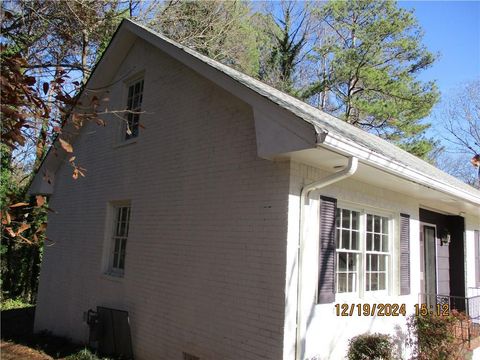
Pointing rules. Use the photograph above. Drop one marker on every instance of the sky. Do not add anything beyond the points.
(452, 29)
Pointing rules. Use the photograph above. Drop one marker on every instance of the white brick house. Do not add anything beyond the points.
(204, 223)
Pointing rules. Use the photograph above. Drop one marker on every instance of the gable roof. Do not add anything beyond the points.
(342, 136)
(324, 122)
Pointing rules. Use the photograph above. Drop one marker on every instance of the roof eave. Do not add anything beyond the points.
(347, 147)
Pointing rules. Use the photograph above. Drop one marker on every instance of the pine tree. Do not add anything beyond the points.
(370, 56)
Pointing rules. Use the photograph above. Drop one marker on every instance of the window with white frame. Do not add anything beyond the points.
(119, 239)
(134, 107)
(363, 251)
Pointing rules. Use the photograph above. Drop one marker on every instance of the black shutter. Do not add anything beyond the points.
(404, 254)
(477, 258)
(327, 250)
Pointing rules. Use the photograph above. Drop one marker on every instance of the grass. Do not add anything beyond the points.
(10, 304)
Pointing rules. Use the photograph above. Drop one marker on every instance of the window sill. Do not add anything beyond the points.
(113, 276)
(125, 143)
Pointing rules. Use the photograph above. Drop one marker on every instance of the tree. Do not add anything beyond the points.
(284, 40)
(460, 116)
(220, 30)
(47, 52)
(369, 57)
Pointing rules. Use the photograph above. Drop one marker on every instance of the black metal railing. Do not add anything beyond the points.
(469, 326)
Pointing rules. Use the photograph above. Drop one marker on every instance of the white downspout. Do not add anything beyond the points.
(348, 171)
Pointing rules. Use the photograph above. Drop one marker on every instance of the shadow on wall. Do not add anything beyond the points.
(17, 326)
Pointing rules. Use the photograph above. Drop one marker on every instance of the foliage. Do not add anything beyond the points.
(437, 337)
(23, 227)
(220, 30)
(84, 354)
(284, 38)
(370, 56)
(10, 304)
(370, 347)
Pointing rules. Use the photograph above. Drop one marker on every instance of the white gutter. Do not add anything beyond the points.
(347, 147)
(348, 171)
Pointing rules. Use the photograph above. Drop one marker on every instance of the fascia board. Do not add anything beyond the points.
(347, 147)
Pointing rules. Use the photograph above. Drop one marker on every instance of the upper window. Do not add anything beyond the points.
(363, 251)
(119, 239)
(134, 106)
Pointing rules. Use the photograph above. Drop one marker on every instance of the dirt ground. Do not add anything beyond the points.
(12, 351)
(19, 342)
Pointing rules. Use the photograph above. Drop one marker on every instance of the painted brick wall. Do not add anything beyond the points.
(205, 265)
(326, 335)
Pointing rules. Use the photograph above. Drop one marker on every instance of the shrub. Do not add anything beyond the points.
(84, 354)
(437, 337)
(370, 347)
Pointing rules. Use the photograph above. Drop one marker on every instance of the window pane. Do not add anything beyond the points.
(382, 283)
(123, 211)
(369, 222)
(352, 282)
(117, 221)
(373, 262)
(384, 225)
(385, 243)
(373, 281)
(355, 241)
(345, 239)
(376, 242)
(369, 242)
(342, 283)
(121, 262)
(352, 262)
(337, 235)
(382, 263)
(338, 218)
(377, 224)
(342, 262)
(117, 244)
(122, 229)
(346, 219)
(355, 220)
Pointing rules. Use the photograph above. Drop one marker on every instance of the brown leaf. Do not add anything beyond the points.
(46, 86)
(22, 228)
(19, 205)
(41, 228)
(72, 159)
(40, 200)
(10, 231)
(66, 146)
(75, 174)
